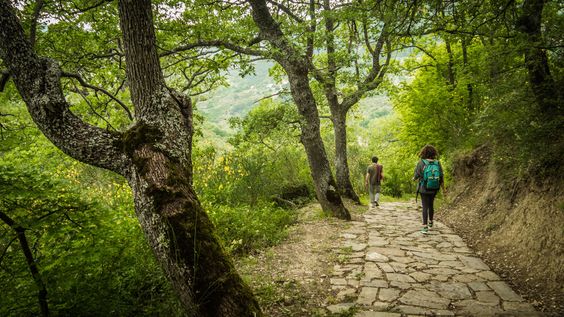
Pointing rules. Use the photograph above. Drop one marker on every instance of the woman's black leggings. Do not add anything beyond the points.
(427, 201)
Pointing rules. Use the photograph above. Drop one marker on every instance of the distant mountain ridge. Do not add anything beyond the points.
(244, 93)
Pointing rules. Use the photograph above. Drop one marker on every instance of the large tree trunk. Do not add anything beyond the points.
(325, 187)
(154, 156)
(295, 66)
(536, 60)
(341, 162)
(175, 224)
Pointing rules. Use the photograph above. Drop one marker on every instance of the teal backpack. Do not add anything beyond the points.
(431, 175)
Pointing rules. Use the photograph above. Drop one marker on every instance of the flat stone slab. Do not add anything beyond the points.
(487, 297)
(454, 291)
(504, 291)
(346, 293)
(388, 294)
(340, 308)
(518, 307)
(474, 263)
(376, 257)
(376, 314)
(423, 298)
(356, 246)
(367, 296)
(478, 286)
(475, 308)
(420, 276)
(399, 278)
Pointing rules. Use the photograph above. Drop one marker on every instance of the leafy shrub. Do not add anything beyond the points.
(246, 228)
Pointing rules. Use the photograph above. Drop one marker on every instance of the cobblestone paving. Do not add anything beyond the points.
(390, 269)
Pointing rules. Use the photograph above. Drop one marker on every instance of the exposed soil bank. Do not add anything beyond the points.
(516, 225)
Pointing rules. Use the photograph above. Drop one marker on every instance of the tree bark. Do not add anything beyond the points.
(536, 60)
(298, 75)
(341, 162)
(174, 222)
(153, 155)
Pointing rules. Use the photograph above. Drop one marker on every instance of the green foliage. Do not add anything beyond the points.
(432, 110)
(265, 160)
(470, 90)
(91, 255)
(85, 238)
(245, 228)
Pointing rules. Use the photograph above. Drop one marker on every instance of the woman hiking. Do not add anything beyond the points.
(429, 173)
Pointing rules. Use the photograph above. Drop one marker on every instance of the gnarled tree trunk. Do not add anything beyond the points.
(153, 155)
(296, 68)
(325, 187)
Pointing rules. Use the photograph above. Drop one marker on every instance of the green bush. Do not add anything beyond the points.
(246, 228)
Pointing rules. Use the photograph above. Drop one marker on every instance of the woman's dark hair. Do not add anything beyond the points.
(374, 159)
(428, 152)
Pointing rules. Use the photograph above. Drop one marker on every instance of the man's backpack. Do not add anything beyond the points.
(431, 175)
(377, 177)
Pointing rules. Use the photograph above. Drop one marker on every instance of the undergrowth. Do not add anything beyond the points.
(245, 228)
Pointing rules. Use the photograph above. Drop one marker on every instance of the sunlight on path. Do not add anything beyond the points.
(390, 268)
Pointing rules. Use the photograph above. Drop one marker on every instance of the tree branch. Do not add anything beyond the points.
(281, 92)
(38, 81)
(270, 30)
(33, 27)
(312, 27)
(102, 90)
(376, 74)
(216, 43)
(286, 10)
(6, 249)
(92, 108)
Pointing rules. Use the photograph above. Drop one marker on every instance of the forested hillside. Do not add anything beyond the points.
(147, 146)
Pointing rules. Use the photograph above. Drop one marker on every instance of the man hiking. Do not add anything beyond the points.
(372, 181)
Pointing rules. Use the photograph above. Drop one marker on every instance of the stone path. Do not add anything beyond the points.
(390, 269)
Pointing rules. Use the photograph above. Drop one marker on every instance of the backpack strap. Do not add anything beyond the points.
(378, 173)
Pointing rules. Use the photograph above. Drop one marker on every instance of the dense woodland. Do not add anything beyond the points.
(131, 172)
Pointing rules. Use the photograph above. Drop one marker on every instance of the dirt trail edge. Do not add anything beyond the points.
(392, 269)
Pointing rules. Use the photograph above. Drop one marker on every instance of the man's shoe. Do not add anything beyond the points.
(425, 230)
(430, 224)
(376, 204)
